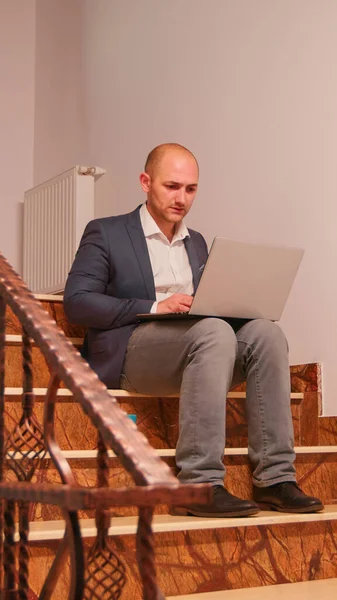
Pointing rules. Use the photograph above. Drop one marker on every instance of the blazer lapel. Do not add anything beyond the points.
(138, 241)
(194, 261)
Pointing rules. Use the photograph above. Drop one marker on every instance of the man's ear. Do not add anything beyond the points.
(145, 182)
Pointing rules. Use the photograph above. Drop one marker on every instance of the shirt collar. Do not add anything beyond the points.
(150, 227)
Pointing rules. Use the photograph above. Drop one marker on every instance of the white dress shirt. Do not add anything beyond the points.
(169, 260)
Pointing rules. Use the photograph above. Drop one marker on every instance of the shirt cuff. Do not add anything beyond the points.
(154, 308)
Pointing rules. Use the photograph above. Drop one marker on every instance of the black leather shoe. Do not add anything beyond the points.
(286, 497)
(223, 504)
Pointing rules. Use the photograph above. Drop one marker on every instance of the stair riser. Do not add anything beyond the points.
(210, 560)
(157, 418)
(55, 310)
(13, 367)
(317, 475)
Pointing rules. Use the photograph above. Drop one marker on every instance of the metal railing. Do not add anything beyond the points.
(100, 573)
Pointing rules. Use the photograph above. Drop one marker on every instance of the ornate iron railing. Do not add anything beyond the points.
(101, 574)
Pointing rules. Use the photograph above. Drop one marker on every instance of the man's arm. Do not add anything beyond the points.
(85, 297)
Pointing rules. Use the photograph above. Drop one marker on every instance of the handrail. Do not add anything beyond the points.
(154, 481)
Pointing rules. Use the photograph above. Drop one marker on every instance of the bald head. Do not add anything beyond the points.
(170, 181)
(157, 154)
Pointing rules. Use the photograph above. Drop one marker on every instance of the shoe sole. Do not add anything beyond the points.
(186, 512)
(310, 509)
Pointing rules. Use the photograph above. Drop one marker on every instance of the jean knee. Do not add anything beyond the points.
(267, 333)
(218, 332)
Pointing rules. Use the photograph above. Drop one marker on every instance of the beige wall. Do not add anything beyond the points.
(251, 87)
(17, 60)
(60, 122)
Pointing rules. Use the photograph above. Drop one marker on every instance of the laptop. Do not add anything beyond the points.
(242, 281)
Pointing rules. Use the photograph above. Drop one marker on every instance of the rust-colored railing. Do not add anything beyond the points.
(100, 574)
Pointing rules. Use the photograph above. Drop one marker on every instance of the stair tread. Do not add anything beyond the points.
(48, 530)
(171, 452)
(17, 391)
(49, 297)
(305, 590)
(15, 338)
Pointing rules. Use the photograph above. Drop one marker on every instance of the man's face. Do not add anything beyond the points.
(171, 189)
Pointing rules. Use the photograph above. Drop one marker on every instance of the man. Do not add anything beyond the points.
(148, 261)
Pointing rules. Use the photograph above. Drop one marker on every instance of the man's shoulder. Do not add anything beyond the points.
(115, 220)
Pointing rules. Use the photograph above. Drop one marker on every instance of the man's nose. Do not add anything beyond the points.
(181, 196)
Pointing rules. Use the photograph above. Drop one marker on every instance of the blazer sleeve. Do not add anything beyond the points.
(86, 301)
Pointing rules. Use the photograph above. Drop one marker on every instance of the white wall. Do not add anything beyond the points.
(60, 118)
(17, 77)
(251, 88)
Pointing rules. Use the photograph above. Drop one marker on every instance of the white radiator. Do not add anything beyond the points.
(55, 215)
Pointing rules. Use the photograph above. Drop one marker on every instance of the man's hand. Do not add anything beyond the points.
(175, 303)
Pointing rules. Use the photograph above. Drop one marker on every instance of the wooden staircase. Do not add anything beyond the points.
(193, 555)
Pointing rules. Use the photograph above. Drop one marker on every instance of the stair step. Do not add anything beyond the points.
(49, 297)
(157, 418)
(306, 590)
(315, 473)
(54, 530)
(118, 393)
(13, 339)
(171, 452)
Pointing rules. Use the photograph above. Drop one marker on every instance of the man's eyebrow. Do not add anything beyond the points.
(179, 183)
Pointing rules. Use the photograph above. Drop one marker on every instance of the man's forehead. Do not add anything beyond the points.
(178, 167)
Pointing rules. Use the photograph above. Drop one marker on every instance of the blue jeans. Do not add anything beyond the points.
(203, 359)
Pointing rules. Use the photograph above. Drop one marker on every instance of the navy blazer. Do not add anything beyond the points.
(111, 281)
